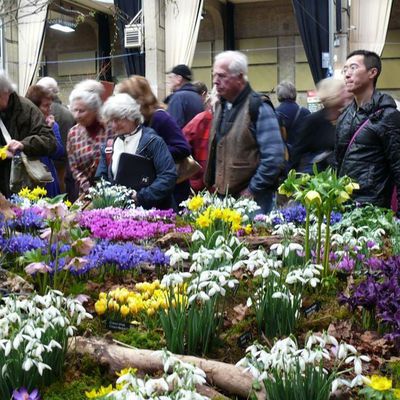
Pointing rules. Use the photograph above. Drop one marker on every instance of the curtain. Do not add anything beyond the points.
(104, 47)
(313, 21)
(31, 32)
(370, 19)
(134, 61)
(182, 23)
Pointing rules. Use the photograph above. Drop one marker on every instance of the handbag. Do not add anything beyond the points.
(186, 168)
(25, 171)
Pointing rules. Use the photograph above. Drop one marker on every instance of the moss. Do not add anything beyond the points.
(82, 374)
(142, 339)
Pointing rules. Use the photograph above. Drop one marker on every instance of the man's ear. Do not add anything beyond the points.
(373, 72)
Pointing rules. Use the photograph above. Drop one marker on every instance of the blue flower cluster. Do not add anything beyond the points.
(125, 256)
(297, 215)
(26, 220)
(19, 244)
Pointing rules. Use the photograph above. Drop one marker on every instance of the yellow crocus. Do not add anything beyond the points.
(102, 295)
(124, 310)
(100, 306)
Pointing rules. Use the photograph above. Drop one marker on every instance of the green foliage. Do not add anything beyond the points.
(143, 340)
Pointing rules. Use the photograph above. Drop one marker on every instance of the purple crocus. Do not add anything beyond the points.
(23, 394)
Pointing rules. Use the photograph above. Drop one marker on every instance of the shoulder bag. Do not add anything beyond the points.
(25, 171)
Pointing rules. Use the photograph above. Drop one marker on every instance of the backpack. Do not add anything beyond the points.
(256, 99)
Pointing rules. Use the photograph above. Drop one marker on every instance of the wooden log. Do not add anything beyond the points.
(226, 377)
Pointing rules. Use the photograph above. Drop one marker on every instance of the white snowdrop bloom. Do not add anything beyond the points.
(342, 351)
(27, 364)
(220, 241)
(41, 367)
(234, 241)
(198, 235)
(175, 278)
(277, 248)
(249, 302)
(7, 348)
(244, 252)
(281, 295)
(357, 381)
(156, 386)
(357, 361)
(338, 382)
(176, 255)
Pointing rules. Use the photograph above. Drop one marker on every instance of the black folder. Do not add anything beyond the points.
(135, 171)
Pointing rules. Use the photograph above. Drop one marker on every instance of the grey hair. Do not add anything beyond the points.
(286, 91)
(121, 106)
(50, 84)
(6, 85)
(238, 63)
(90, 85)
(91, 99)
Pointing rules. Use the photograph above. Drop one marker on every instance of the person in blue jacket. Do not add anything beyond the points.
(123, 114)
(184, 103)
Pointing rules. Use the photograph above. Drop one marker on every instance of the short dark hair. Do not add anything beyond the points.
(371, 60)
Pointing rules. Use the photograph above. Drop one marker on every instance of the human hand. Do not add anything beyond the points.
(246, 194)
(13, 147)
(50, 120)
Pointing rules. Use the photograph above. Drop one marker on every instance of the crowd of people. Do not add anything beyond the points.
(244, 145)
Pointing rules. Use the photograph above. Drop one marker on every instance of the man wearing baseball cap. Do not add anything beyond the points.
(184, 103)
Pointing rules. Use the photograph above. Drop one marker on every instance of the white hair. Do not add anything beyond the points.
(121, 106)
(237, 62)
(91, 99)
(90, 85)
(6, 85)
(50, 84)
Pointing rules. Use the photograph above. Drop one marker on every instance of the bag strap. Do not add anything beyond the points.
(360, 128)
(4, 131)
(296, 116)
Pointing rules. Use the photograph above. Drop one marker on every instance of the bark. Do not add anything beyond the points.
(225, 377)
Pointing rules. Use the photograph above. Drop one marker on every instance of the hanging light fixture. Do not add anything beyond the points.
(62, 25)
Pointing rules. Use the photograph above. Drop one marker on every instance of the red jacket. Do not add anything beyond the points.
(197, 132)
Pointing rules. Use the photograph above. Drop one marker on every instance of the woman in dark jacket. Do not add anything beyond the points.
(161, 121)
(130, 136)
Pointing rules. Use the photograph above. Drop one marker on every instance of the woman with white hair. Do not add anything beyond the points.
(131, 137)
(86, 138)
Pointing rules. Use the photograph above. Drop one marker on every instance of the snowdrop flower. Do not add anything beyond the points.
(338, 382)
(198, 235)
(175, 279)
(156, 386)
(176, 255)
(357, 381)
(357, 360)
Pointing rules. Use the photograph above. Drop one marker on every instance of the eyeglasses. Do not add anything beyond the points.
(351, 68)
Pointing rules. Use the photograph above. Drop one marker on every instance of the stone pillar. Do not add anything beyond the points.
(341, 42)
(154, 36)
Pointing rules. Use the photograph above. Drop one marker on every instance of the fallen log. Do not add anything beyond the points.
(226, 377)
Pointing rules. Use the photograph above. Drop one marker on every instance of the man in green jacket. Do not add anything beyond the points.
(25, 125)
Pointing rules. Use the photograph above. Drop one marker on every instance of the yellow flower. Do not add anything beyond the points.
(39, 192)
(102, 295)
(203, 221)
(100, 306)
(93, 394)
(126, 371)
(24, 192)
(283, 191)
(150, 311)
(248, 229)
(380, 383)
(313, 197)
(396, 393)
(3, 153)
(124, 310)
(343, 197)
(68, 203)
(350, 187)
(195, 203)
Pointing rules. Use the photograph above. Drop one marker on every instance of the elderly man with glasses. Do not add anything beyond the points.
(246, 151)
(368, 133)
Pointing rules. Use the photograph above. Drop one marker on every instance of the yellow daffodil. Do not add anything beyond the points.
(350, 187)
(3, 153)
(100, 306)
(380, 383)
(24, 192)
(39, 192)
(203, 221)
(313, 197)
(195, 203)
